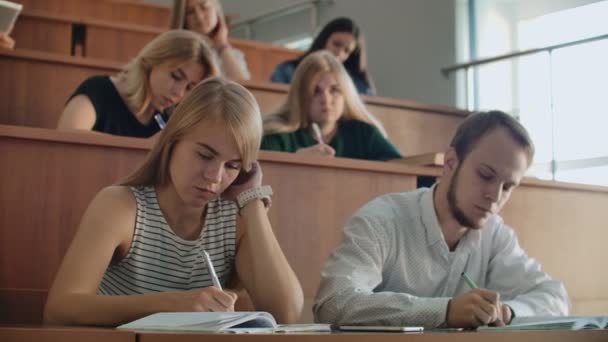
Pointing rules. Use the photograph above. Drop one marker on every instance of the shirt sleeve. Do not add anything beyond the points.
(282, 73)
(347, 292)
(380, 148)
(523, 286)
(239, 57)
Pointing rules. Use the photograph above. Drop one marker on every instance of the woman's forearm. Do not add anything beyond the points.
(106, 310)
(275, 286)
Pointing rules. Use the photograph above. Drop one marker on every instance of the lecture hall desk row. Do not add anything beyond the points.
(119, 11)
(49, 177)
(73, 334)
(121, 41)
(36, 86)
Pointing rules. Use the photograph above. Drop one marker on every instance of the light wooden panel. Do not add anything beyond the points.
(132, 12)
(36, 86)
(116, 43)
(417, 131)
(565, 229)
(48, 34)
(428, 336)
(64, 334)
(121, 41)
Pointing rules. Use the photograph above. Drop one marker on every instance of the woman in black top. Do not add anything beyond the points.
(344, 40)
(133, 103)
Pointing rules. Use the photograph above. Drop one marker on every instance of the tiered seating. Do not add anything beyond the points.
(52, 176)
(91, 37)
(125, 11)
(49, 177)
(50, 79)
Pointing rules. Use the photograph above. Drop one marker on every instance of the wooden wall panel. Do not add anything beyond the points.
(115, 43)
(121, 41)
(562, 228)
(132, 12)
(427, 336)
(36, 86)
(416, 131)
(50, 35)
(64, 334)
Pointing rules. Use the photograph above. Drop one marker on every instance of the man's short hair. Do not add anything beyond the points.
(477, 125)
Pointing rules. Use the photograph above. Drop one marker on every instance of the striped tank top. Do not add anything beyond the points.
(158, 260)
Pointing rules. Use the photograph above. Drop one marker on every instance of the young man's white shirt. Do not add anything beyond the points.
(394, 267)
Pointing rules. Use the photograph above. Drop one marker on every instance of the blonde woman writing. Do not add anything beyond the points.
(322, 94)
(139, 247)
(134, 102)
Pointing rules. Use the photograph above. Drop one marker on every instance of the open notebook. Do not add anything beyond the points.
(238, 322)
(554, 323)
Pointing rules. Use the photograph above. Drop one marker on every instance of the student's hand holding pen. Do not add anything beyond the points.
(475, 308)
(208, 299)
(321, 148)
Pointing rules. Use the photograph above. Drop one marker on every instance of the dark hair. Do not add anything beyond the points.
(356, 63)
(477, 125)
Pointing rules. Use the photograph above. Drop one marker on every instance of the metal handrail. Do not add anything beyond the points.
(446, 71)
(281, 11)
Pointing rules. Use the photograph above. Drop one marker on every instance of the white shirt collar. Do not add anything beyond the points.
(434, 234)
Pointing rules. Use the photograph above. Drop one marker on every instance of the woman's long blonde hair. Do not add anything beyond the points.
(294, 113)
(178, 14)
(172, 48)
(212, 101)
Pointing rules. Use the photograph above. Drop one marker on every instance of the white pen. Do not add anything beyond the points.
(159, 120)
(317, 132)
(211, 270)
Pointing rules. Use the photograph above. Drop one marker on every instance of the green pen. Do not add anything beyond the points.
(469, 281)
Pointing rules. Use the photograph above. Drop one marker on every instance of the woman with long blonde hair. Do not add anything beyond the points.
(140, 245)
(323, 95)
(206, 17)
(136, 101)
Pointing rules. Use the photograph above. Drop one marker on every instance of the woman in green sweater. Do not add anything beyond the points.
(322, 95)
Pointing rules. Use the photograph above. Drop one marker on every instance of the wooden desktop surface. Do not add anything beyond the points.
(77, 334)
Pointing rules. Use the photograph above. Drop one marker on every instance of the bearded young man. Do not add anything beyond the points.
(403, 255)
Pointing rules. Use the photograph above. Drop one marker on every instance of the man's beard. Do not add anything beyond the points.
(456, 212)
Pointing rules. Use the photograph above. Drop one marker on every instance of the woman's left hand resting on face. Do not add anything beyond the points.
(259, 258)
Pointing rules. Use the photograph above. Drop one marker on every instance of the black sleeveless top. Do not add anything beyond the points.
(111, 112)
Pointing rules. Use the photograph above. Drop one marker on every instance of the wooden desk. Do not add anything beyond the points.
(124, 11)
(121, 41)
(537, 336)
(76, 334)
(37, 85)
(52, 176)
(64, 334)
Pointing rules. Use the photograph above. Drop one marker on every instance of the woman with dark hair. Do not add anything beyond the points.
(344, 40)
